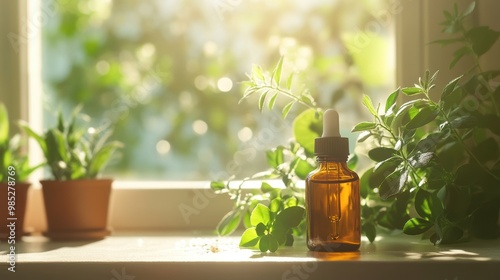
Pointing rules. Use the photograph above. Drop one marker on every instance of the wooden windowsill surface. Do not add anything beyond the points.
(195, 255)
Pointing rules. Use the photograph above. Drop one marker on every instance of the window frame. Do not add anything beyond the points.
(148, 205)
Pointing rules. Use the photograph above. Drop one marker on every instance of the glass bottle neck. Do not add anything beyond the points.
(337, 169)
(330, 159)
(329, 163)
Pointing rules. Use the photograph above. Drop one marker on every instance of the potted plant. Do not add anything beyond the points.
(15, 169)
(76, 201)
(433, 169)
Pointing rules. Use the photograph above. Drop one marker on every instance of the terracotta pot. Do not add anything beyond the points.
(21, 195)
(77, 209)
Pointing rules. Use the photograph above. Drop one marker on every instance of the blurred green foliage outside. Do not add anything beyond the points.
(165, 74)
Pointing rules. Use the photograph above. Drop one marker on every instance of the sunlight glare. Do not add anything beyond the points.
(163, 147)
(224, 84)
(200, 127)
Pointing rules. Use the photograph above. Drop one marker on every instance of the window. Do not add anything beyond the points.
(414, 23)
(165, 74)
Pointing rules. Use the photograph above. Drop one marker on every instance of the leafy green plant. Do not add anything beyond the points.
(277, 223)
(271, 227)
(11, 153)
(437, 162)
(435, 167)
(73, 151)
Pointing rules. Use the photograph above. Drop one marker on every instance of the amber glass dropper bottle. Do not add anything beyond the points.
(332, 194)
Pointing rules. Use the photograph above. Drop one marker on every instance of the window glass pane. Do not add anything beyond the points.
(166, 74)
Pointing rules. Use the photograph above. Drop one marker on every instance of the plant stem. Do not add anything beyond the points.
(457, 136)
(388, 130)
(467, 149)
(486, 85)
(286, 93)
(477, 65)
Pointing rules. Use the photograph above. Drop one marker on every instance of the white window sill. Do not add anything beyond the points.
(194, 255)
(163, 205)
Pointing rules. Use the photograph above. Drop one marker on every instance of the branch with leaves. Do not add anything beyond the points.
(438, 158)
(270, 85)
(435, 164)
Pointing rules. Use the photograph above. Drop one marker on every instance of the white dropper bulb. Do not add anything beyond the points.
(331, 124)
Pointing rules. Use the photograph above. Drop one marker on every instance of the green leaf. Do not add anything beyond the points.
(249, 91)
(370, 231)
(447, 232)
(367, 101)
(386, 167)
(289, 240)
(287, 108)
(276, 205)
(246, 219)
(411, 90)
(60, 122)
(217, 185)
(364, 185)
(272, 101)
(262, 99)
(417, 226)
(229, 223)
(396, 215)
(72, 136)
(428, 205)
(307, 127)
(402, 112)
(28, 170)
(289, 81)
(450, 87)
(469, 9)
(391, 100)
(249, 238)
(260, 214)
(102, 157)
(353, 162)
(266, 188)
(405, 119)
(268, 243)
(362, 126)
(423, 117)
(381, 153)
(420, 160)
(291, 201)
(277, 71)
(393, 184)
(287, 219)
(464, 121)
(275, 157)
(56, 147)
(445, 42)
(257, 72)
(260, 229)
(457, 55)
(363, 136)
(303, 168)
(4, 124)
(430, 81)
(482, 38)
(457, 201)
(39, 139)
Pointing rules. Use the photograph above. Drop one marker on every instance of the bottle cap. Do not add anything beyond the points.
(331, 144)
